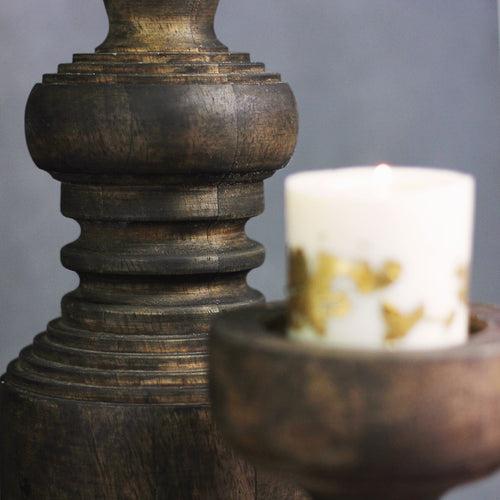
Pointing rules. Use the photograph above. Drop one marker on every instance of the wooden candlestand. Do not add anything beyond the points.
(162, 140)
(358, 425)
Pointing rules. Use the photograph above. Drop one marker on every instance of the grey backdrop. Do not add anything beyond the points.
(400, 81)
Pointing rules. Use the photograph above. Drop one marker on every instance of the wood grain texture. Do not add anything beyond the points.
(358, 425)
(124, 451)
(162, 140)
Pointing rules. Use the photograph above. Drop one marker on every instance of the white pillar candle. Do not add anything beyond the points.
(379, 257)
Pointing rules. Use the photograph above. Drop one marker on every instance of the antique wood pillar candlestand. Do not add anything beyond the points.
(162, 140)
(358, 425)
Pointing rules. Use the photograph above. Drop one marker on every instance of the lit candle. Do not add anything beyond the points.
(379, 257)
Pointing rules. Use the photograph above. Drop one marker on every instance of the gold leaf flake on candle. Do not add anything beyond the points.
(313, 299)
(448, 321)
(463, 274)
(368, 279)
(398, 324)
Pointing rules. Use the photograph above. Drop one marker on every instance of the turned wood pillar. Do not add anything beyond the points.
(161, 139)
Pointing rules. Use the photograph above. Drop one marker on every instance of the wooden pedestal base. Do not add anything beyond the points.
(57, 449)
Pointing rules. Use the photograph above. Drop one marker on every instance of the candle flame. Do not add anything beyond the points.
(383, 170)
(382, 176)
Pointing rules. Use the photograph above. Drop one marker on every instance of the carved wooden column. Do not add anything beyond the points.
(162, 140)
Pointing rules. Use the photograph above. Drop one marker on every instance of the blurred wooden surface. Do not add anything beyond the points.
(358, 425)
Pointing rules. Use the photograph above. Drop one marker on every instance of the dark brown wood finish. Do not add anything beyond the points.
(162, 140)
(358, 424)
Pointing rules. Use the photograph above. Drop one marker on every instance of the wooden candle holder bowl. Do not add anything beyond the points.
(358, 424)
